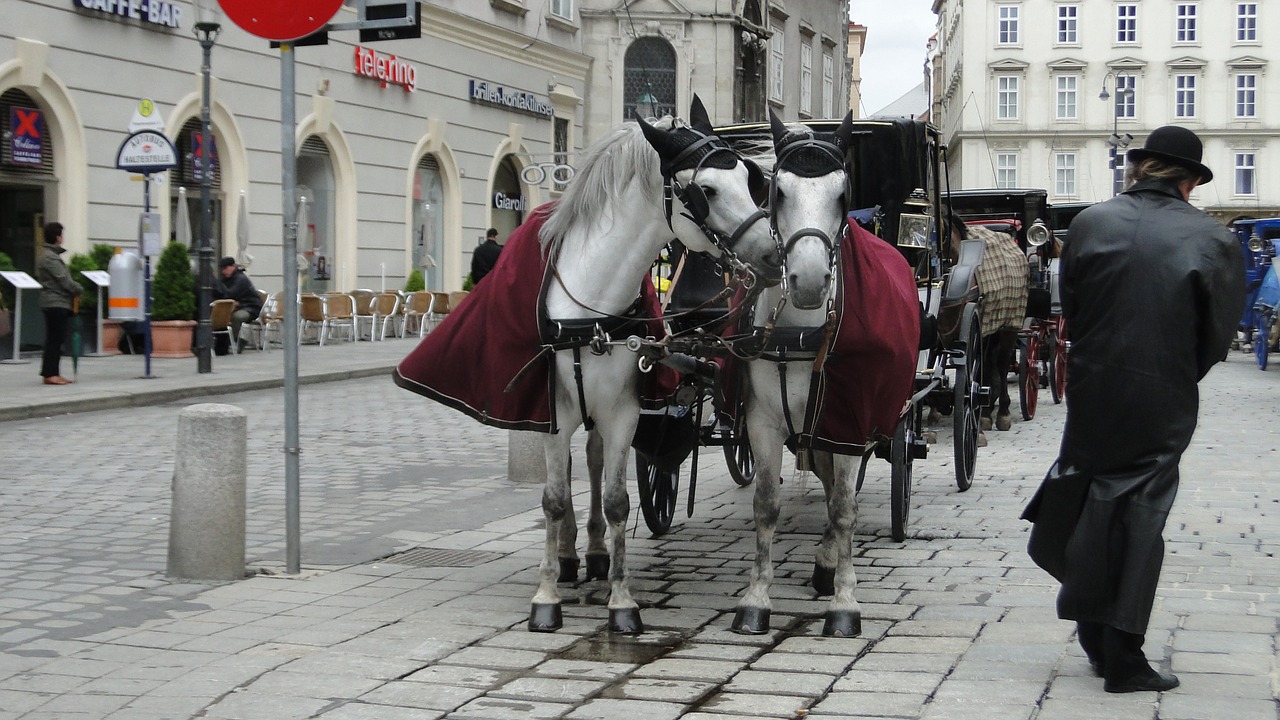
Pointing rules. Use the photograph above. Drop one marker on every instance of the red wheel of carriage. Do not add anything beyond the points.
(1029, 375)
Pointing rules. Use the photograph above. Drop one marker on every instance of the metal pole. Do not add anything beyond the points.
(146, 283)
(208, 33)
(292, 451)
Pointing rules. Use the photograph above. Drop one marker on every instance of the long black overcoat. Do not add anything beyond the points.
(1152, 290)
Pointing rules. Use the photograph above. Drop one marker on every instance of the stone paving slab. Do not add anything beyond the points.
(957, 621)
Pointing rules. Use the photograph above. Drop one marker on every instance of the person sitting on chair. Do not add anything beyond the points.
(235, 285)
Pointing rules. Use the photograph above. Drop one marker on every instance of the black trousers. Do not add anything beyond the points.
(55, 333)
(1117, 652)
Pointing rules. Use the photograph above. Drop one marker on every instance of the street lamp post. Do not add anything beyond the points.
(1117, 141)
(206, 31)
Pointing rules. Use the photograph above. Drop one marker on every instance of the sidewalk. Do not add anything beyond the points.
(116, 381)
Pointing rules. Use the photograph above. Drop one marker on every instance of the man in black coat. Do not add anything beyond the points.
(1152, 290)
(234, 284)
(485, 256)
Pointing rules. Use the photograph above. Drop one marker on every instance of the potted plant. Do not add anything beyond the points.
(173, 304)
(415, 282)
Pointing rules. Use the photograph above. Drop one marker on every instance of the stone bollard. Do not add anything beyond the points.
(526, 459)
(207, 516)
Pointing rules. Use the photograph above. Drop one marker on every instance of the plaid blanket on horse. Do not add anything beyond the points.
(475, 360)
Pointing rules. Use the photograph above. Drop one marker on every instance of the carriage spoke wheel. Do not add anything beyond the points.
(1029, 376)
(900, 478)
(1058, 378)
(964, 412)
(737, 452)
(657, 495)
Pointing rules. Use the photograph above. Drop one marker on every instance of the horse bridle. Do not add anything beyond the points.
(694, 199)
(832, 243)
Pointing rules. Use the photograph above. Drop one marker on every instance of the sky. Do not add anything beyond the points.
(897, 31)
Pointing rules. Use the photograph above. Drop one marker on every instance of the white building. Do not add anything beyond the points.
(1018, 94)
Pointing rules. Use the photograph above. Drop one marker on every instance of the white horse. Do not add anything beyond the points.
(807, 205)
(625, 203)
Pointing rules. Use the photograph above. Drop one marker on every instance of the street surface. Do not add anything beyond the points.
(958, 623)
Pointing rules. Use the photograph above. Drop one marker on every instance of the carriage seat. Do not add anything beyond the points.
(961, 285)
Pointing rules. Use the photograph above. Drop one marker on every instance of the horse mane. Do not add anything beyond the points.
(616, 161)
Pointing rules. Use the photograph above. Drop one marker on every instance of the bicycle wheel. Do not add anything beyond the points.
(900, 479)
(657, 495)
(964, 413)
(1029, 375)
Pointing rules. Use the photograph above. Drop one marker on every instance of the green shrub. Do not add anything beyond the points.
(6, 290)
(467, 284)
(173, 288)
(415, 282)
(102, 254)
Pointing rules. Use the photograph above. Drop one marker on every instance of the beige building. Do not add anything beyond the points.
(857, 44)
(1040, 94)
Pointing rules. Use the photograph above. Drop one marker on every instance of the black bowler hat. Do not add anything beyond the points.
(226, 262)
(1176, 145)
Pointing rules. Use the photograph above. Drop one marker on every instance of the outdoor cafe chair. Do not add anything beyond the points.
(386, 311)
(364, 311)
(339, 313)
(220, 320)
(417, 312)
(311, 316)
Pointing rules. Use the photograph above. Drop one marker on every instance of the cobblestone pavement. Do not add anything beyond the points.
(957, 621)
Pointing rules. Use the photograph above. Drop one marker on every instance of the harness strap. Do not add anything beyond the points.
(587, 423)
(782, 387)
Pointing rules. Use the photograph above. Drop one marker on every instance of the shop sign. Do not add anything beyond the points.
(386, 69)
(146, 152)
(155, 12)
(26, 139)
(503, 201)
(482, 91)
(197, 155)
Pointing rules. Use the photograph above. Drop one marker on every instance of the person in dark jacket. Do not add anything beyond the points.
(234, 284)
(58, 291)
(485, 256)
(1152, 290)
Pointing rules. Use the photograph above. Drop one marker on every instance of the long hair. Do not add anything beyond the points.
(1157, 169)
(619, 159)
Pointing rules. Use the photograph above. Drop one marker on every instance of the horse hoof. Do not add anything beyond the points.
(842, 623)
(824, 580)
(598, 567)
(750, 621)
(1004, 421)
(569, 570)
(985, 422)
(625, 621)
(545, 617)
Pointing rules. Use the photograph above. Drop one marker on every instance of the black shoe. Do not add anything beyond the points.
(1150, 681)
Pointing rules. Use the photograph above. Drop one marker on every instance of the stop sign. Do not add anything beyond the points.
(280, 20)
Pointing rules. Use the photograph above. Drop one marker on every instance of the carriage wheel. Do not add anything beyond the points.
(900, 461)
(1262, 338)
(1059, 374)
(737, 452)
(964, 412)
(1029, 375)
(657, 495)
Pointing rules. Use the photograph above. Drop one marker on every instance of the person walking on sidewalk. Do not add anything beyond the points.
(1152, 289)
(58, 292)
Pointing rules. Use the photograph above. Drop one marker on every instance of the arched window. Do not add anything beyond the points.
(428, 221)
(649, 78)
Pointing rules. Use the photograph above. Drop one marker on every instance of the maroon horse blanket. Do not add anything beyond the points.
(475, 360)
(870, 369)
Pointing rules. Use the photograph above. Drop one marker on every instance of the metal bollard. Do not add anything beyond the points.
(526, 458)
(207, 515)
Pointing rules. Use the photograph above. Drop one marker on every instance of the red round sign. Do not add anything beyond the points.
(280, 20)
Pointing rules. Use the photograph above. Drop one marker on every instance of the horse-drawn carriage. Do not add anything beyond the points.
(893, 170)
(1259, 245)
(1042, 344)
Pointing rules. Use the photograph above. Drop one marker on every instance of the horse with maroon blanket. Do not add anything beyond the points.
(544, 355)
(836, 366)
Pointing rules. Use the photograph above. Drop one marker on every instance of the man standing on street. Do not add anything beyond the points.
(485, 256)
(1152, 291)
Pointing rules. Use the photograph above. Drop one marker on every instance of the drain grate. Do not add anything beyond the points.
(440, 557)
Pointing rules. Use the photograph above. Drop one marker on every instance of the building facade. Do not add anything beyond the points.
(1045, 94)
(740, 57)
(407, 150)
(857, 43)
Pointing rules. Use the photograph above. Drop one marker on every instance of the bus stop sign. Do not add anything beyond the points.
(280, 20)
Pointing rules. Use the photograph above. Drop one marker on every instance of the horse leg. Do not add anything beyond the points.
(597, 551)
(545, 615)
(752, 614)
(567, 549)
(844, 617)
(825, 559)
(1006, 340)
(616, 430)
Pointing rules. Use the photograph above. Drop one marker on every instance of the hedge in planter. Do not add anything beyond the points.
(173, 303)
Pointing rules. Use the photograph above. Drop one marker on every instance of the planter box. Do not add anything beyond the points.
(172, 338)
(111, 333)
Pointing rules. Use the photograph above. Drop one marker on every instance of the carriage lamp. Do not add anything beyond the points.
(206, 29)
(1038, 233)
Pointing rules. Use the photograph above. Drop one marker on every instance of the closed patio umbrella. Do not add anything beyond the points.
(182, 223)
(242, 233)
(77, 337)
